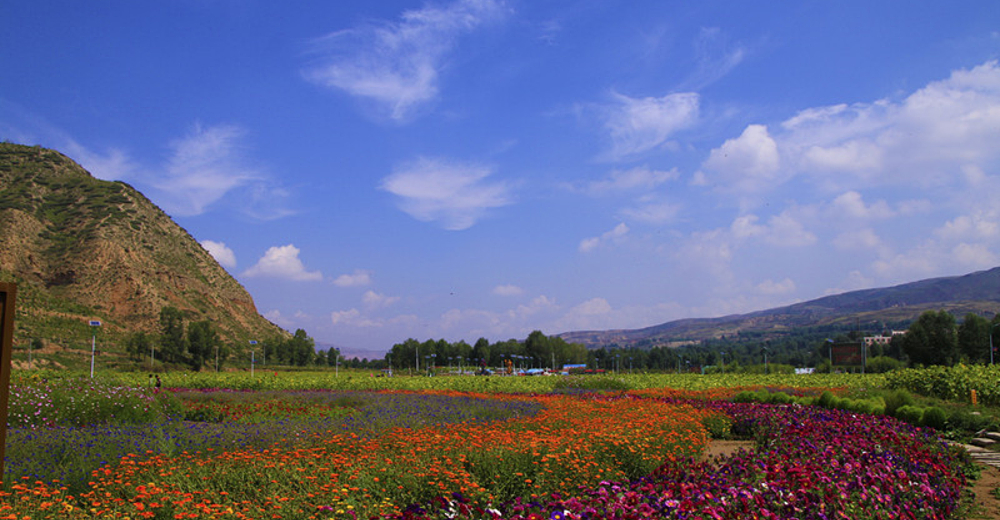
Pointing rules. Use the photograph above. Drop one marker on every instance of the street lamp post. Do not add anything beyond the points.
(93, 345)
(991, 341)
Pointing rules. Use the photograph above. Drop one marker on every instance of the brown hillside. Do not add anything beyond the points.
(81, 248)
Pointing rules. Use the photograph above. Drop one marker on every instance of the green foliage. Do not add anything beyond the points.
(934, 417)
(950, 383)
(966, 422)
(883, 364)
(932, 339)
(202, 342)
(826, 399)
(974, 338)
(173, 344)
(896, 399)
(911, 414)
(719, 426)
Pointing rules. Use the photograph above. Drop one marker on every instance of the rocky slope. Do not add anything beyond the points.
(84, 249)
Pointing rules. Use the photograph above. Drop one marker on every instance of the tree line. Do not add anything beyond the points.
(535, 351)
(936, 338)
(197, 344)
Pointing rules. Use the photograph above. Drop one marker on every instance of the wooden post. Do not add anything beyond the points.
(7, 293)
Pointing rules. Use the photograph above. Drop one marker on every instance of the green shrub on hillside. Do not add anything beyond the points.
(896, 399)
(934, 417)
(911, 414)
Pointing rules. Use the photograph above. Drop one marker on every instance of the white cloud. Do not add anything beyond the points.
(940, 134)
(283, 262)
(508, 290)
(452, 193)
(397, 64)
(979, 225)
(652, 211)
(374, 300)
(592, 307)
(974, 256)
(786, 230)
(783, 229)
(355, 279)
(861, 239)
(770, 287)
(588, 244)
(639, 125)
(204, 166)
(748, 163)
(745, 226)
(851, 204)
(539, 304)
(220, 253)
(345, 317)
(114, 166)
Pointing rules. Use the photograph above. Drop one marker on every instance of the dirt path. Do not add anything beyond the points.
(987, 504)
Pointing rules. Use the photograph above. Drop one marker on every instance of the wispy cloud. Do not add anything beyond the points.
(508, 290)
(397, 64)
(640, 177)
(113, 165)
(283, 262)
(355, 279)
(204, 166)
(715, 57)
(638, 125)
(589, 244)
(374, 300)
(220, 253)
(454, 194)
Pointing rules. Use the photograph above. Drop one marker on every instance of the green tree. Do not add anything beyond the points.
(137, 345)
(172, 340)
(932, 339)
(974, 338)
(301, 348)
(202, 341)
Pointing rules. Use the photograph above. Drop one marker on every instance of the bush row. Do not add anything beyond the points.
(897, 403)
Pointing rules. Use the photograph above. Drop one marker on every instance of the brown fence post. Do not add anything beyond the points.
(7, 293)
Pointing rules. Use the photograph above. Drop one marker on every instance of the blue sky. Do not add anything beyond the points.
(374, 171)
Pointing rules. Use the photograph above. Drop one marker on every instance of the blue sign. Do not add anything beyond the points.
(95, 323)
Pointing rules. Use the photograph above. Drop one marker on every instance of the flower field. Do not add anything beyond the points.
(439, 453)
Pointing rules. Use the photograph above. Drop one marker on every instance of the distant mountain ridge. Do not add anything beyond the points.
(977, 292)
(83, 249)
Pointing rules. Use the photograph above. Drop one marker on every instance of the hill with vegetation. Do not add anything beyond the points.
(869, 309)
(83, 249)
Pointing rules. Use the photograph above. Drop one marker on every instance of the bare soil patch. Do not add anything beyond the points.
(717, 448)
(986, 502)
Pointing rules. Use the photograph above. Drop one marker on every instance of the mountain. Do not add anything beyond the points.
(84, 249)
(977, 292)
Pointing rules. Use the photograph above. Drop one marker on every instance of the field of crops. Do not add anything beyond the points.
(315, 445)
